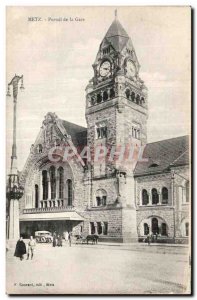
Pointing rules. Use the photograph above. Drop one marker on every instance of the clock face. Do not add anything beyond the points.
(131, 69)
(105, 68)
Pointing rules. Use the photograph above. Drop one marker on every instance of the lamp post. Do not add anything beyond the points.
(14, 190)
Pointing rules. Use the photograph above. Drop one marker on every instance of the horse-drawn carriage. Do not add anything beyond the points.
(81, 239)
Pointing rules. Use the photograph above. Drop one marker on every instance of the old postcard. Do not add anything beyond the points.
(98, 150)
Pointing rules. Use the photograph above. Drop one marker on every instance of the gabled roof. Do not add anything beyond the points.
(77, 133)
(162, 155)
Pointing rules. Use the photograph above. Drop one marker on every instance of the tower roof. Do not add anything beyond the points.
(116, 36)
(116, 29)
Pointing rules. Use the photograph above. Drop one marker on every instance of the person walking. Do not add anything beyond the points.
(31, 247)
(20, 249)
(149, 239)
(59, 241)
(54, 240)
(66, 237)
(70, 238)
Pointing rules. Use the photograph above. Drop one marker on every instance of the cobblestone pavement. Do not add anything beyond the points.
(99, 269)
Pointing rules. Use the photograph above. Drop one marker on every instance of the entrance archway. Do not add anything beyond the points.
(155, 226)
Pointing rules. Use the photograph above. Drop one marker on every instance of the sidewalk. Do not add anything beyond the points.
(141, 247)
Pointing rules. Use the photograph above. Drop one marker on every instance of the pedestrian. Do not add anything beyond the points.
(20, 249)
(31, 247)
(70, 238)
(59, 241)
(149, 239)
(66, 236)
(54, 240)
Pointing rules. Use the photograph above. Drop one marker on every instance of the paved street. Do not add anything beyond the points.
(100, 269)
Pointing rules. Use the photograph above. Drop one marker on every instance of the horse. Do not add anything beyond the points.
(93, 238)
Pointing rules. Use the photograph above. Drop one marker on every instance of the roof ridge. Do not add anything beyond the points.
(177, 137)
(73, 123)
(179, 157)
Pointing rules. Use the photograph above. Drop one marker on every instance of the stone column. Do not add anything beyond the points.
(101, 96)
(150, 196)
(57, 184)
(160, 197)
(14, 220)
(95, 226)
(49, 186)
(40, 189)
(102, 225)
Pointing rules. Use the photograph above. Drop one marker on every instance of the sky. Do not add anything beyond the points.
(56, 60)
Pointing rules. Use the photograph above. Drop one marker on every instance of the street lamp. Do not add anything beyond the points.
(14, 191)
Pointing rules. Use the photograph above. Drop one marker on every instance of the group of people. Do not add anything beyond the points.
(22, 248)
(57, 239)
(151, 238)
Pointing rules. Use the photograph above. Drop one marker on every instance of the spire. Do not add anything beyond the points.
(116, 35)
(116, 14)
(116, 29)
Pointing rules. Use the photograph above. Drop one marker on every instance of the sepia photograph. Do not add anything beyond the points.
(98, 150)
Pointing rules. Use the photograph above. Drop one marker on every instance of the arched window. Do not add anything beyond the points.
(187, 192)
(105, 95)
(45, 185)
(155, 196)
(36, 196)
(133, 96)
(39, 148)
(186, 229)
(138, 99)
(163, 229)
(99, 98)
(142, 100)
(99, 228)
(146, 229)
(92, 101)
(155, 227)
(112, 93)
(105, 228)
(61, 182)
(101, 197)
(164, 195)
(145, 197)
(92, 228)
(70, 192)
(127, 93)
(53, 182)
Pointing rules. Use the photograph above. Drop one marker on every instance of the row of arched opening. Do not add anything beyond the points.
(155, 228)
(54, 186)
(102, 96)
(130, 95)
(154, 195)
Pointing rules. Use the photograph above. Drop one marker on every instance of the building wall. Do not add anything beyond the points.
(182, 204)
(176, 212)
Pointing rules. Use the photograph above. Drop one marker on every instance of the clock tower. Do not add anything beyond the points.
(116, 115)
(116, 97)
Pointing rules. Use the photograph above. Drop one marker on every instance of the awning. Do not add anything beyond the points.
(69, 215)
